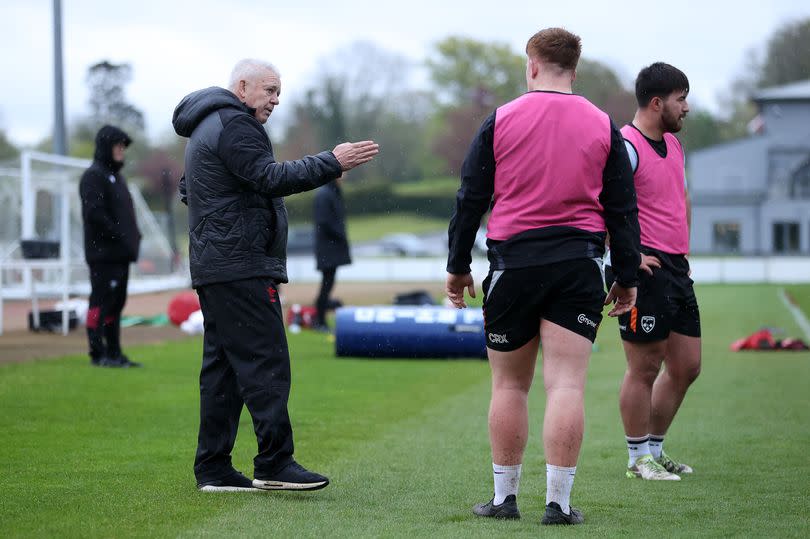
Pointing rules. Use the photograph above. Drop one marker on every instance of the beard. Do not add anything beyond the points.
(672, 123)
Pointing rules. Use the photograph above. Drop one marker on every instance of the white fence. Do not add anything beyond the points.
(704, 270)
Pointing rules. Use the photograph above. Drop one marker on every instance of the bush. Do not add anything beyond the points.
(369, 198)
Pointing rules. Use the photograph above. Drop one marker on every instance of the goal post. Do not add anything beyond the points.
(41, 202)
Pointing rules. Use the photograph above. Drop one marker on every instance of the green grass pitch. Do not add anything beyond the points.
(90, 452)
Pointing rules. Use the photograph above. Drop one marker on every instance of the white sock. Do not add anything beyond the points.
(656, 445)
(559, 481)
(637, 447)
(507, 480)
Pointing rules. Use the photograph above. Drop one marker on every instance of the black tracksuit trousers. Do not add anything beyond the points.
(322, 303)
(108, 294)
(245, 361)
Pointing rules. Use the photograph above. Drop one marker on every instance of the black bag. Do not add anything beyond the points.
(52, 321)
(417, 297)
(37, 249)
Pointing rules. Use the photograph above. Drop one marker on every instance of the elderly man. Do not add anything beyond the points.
(233, 187)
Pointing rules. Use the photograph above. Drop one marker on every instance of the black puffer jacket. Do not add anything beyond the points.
(233, 187)
(110, 230)
(331, 240)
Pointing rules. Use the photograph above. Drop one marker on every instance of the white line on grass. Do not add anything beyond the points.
(797, 313)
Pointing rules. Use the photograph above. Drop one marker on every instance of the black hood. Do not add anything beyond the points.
(196, 106)
(107, 137)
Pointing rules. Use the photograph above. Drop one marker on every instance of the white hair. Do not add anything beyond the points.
(249, 68)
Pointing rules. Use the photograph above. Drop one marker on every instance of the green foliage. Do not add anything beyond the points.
(787, 57)
(701, 129)
(472, 78)
(361, 94)
(377, 198)
(465, 70)
(103, 453)
(435, 187)
(8, 151)
(600, 84)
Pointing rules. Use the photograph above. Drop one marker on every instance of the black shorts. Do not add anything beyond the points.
(666, 302)
(569, 293)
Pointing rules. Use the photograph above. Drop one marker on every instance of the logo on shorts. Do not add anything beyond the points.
(582, 319)
(498, 339)
(272, 293)
(623, 328)
(647, 323)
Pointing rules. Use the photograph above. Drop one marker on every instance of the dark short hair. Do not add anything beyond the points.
(555, 46)
(659, 80)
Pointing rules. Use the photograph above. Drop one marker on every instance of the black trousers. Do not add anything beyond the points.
(322, 303)
(245, 362)
(108, 295)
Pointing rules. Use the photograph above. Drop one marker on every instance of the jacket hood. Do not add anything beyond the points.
(107, 137)
(196, 106)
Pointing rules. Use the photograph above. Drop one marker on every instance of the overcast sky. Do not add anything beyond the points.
(176, 47)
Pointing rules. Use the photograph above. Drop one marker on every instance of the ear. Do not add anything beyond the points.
(656, 103)
(573, 76)
(242, 89)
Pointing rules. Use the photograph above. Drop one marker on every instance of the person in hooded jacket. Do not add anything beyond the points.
(331, 244)
(111, 243)
(233, 187)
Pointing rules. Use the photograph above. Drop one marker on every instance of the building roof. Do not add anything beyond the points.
(795, 91)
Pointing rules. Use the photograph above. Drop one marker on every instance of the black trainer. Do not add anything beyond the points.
(508, 509)
(128, 362)
(554, 515)
(234, 482)
(292, 477)
(105, 361)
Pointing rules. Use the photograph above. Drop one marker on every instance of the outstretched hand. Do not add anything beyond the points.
(624, 299)
(353, 154)
(454, 287)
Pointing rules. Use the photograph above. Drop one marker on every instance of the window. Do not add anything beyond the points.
(726, 237)
(800, 186)
(786, 237)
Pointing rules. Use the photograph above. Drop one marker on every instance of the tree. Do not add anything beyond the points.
(162, 172)
(7, 150)
(458, 125)
(787, 57)
(465, 70)
(108, 104)
(361, 93)
(700, 129)
(471, 78)
(602, 87)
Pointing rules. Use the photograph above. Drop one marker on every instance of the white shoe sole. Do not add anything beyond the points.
(670, 477)
(282, 485)
(211, 488)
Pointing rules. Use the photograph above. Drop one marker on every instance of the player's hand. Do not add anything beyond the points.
(454, 287)
(353, 154)
(648, 263)
(624, 299)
